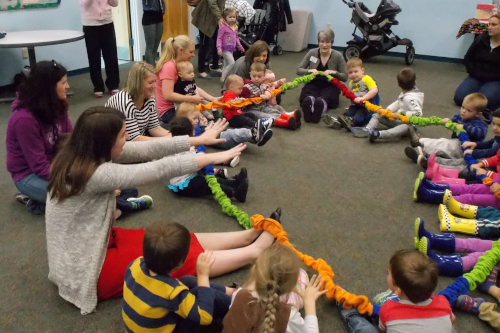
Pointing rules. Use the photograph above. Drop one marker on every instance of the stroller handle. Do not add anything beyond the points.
(351, 3)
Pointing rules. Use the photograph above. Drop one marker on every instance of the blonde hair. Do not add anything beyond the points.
(275, 273)
(258, 67)
(172, 46)
(184, 109)
(232, 79)
(183, 65)
(479, 101)
(135, 81)
(354, 62)
(227, 11)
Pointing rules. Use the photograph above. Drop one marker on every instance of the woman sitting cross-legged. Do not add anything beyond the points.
(87, 255)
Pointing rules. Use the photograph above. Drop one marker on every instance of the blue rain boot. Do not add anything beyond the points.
(433, 186)
(449, 265)
(439, 242)
(423, 194)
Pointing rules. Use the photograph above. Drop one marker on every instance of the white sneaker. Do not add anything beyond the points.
(234, 162)
(360, 132)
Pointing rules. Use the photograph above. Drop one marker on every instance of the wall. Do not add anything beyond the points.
(431, 24)
(65, 17)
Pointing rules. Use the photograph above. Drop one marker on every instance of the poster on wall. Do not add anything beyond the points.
(25, 4)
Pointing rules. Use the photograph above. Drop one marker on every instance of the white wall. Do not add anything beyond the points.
(65, 17)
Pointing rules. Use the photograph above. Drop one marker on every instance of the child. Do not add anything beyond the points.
(365, 89)
(228, 40)
(271, 85)
(154, 300)
(235, 117)
(256, 88)
(195, 184)
(258, 304)
(186, 84)
(413, 277)
(409, 103)
(469, 119)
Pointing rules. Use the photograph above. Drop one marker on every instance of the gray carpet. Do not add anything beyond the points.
(343, 199)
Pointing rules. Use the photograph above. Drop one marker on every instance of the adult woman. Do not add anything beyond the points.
(180, 48)
(39, 119)
(482, 62)
(99, 31)
(319, 95)
(87, 256)
(207, 17)
(137, 103)
(152, 23)
(258, 52)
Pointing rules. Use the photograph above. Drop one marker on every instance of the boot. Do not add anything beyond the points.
(422, 194)
(240, 192)
(445, 180)
(439, 242)
(432, 186)
(431, 161)
(285, 121)
(450, 223)
(276, 215)
(448, 265)
(435, 171)
(460, 209)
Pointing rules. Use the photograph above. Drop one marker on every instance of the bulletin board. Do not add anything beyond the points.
(25, 4)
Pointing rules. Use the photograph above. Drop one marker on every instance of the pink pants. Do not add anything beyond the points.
(475, 247)
(475, 194)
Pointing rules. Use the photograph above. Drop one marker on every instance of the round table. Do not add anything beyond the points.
(30, 39)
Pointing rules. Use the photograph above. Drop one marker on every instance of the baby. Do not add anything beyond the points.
(271, 84)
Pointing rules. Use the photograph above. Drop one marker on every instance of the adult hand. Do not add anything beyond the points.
(211, 134)
(358, 100)
(445, 120)
(494, 188)
(469, 144)
(196, 99)
(219, 52)
(204, 262)
(222, 22)
(330, 72)
(314, 71)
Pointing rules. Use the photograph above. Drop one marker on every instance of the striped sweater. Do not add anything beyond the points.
(137, 121)
(158, 303)
(476, 128)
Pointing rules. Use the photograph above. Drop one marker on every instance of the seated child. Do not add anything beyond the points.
(409, 103)
(256, 88)
(470, 119)
(269, 81)
(413, 277)
(258, 305)
(154, 300)
(127, 201)
(186, 84)
(234, 115)
(195, 185)
(365, 89)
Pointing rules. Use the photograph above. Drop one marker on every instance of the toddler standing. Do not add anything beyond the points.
(228, 40)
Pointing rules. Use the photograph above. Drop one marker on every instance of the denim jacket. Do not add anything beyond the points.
(154, 5)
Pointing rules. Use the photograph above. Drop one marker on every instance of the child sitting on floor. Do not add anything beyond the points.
(365, 89)
(177, 304)
(409, 103)
(473, 118)
(260, 304)
(269, 81)
(195, 185)
(256, 88)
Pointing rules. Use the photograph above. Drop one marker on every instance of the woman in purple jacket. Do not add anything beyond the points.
(38, 120)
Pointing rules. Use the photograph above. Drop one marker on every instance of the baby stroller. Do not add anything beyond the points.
(376, 29)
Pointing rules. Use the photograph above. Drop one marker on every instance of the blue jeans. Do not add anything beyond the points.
(356, 322)
(35, 188)
(489, 89)
(234, 136)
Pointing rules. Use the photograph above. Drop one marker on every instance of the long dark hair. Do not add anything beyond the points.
(89, 146)
(38, 94)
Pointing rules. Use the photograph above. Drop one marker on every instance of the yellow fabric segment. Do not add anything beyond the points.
(370, 83)
(384, 112)
(238, 104)
(138, 329)
(142, 308)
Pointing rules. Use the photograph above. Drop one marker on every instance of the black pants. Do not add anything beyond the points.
(166, 117)
(324, 89)
(246, 120)
(99, 39)
(208, 45)
(221, 306)
(360, 114)
(121, 200)
(198, 187)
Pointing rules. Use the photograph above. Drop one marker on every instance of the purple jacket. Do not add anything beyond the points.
(227, 39)
(31, 145)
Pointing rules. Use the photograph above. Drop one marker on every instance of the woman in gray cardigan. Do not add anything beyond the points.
(319, 95)
(88, 257)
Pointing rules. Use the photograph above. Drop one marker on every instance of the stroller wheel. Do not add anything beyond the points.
(277, 50)
(352, 51)
(410, 55)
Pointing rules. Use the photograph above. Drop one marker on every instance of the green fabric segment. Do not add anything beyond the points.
(484, 266)
(421, 122)
(303, 79)
(225, 203)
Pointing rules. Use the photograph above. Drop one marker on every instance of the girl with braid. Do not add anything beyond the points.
(266, 303)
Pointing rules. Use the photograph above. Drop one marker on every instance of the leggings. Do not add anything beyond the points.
(198, 187)
(475, 194)
(475, 247)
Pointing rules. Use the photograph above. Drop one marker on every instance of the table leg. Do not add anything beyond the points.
(32, 57)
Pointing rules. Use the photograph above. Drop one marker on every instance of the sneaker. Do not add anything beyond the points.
(142, 202)
(469, 304)
(22, 198)
(266, 123)
(221, 173)
(388, 295)
(216, 72)
(374, 136)
(331, 121)
(204, 76)
(422, 161)
(232, 163)
(257, 131)
(490, 281)
(240, 192)
(114, 92)
(346, 122)
(98, 94)
(265, 137)
(414, 136)
(413, 153)
(360, 132)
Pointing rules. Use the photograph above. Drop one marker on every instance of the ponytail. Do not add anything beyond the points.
(271, 306)
(172, 45)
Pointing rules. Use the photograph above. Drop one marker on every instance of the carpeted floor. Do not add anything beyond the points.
(343, 199)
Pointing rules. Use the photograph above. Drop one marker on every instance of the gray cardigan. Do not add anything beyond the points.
(336, 63)
(77, 228)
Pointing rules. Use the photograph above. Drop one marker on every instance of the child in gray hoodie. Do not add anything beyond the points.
(409, 103)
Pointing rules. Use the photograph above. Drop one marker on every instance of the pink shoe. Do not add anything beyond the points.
(440, 179)
(451, 173)
(436, 171)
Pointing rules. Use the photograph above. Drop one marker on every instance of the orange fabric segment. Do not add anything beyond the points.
(238, 104)
(319, 265)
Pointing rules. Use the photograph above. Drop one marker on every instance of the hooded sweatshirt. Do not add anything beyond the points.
(409, 103)
(227, 39)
